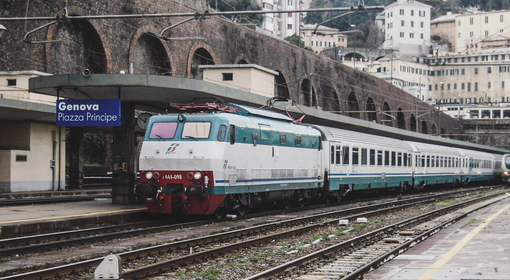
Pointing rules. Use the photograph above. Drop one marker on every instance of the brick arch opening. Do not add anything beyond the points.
(433, 129)
(84, 49)
(371, 110)
(151, 56)
(352, 106)
(281, 86)
(200, 54)
(412, 123)
(443, 132)
(387, 117)
(401, 121)
(424, 127)
(329, 97)
(307, 94)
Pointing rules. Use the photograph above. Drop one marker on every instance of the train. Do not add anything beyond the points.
(505, 168)
(213, 159)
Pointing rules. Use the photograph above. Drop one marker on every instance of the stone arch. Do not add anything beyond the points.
(148, 54)
(433, 129)
(242, 61)
(401, 121)
(387, 117)
(371, 110)
(353, 55)
(304, 92)
(85, 48)
(200, 54)
(412, 123)
(443, 132)
(353, 106)
(329, 97)
(281, 86)
(424, 127)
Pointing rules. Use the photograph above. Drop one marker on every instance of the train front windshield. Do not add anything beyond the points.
(189, 130)
(507, 161)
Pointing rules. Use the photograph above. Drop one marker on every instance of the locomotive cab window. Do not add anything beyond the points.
(232, 134)
(163, 130)
(222, 131)
(196, 130)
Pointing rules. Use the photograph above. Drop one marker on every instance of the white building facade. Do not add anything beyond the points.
(281, 25)
(407, 27)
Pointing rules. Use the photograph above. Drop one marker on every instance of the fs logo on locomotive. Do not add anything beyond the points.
(172, 148)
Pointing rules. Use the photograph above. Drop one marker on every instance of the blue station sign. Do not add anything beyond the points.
(91, 112)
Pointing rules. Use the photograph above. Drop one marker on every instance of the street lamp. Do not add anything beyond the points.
(2, 29)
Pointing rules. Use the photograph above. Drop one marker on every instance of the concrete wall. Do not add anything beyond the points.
(35, 173)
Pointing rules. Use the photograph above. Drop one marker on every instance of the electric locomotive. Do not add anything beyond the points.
(228, 159)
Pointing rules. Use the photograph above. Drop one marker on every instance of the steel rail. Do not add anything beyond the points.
(352, 242)
(134, 254)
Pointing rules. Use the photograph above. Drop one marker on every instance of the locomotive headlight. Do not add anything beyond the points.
(506, 172)
(149, 175)
(197, 175)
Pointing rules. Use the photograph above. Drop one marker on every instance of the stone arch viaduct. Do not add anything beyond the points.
(134, 46)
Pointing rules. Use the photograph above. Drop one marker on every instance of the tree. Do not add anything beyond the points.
(239, 5)
(295, 40)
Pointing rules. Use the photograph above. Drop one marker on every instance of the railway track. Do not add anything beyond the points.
(54, 241)
(296, 227)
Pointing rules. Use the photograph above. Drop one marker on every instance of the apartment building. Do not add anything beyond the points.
(407, 27)
(324, 38)
(281, 25)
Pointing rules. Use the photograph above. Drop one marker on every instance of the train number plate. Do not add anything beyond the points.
(172, 177)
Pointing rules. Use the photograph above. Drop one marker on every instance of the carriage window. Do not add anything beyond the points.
(355, 156)
(423, 161)
(380, 158)
(386, 158)
(298, 141)
(338, 153)
(232, 134)
(345, 153)
(283, 139)
(163, 130)
(428, 161)
(222, 131)
(431, 161)
(399, 159)
(437, 161)
(441, 162)
(363, 156)
(332, 155)
(405, 159)
(372, 157)
(196, 130)
(393, 158)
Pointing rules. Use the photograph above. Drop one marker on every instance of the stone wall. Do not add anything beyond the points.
(115, 45)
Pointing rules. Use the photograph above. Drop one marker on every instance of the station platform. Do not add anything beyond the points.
(43, 218)
(476, 247)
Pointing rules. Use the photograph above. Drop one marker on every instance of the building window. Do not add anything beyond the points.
(486, 33)
(412, 13)
(435, 87)
(463, 71)
(503, 84)
(458, 35)
(458, 23)
(401, 34)
(476, 71)
(421, 24)
(489, 85)
(448, 86)
(469, 86)
(289, 15)
(476, 86)
(12, 82)
(401, 12)
(471, 34)
(462, 86)
(470, 21)
(486, 19)
(289, 26)
(411, 35)
(402, 23)
(21, 158)
(412, 23)
(228, 76)
(455, 86)
(501, 18)
(489, 70)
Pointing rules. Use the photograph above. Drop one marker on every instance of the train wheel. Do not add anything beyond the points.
(287, 204)
(241, 210)
(220, 212)
(302, 202)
